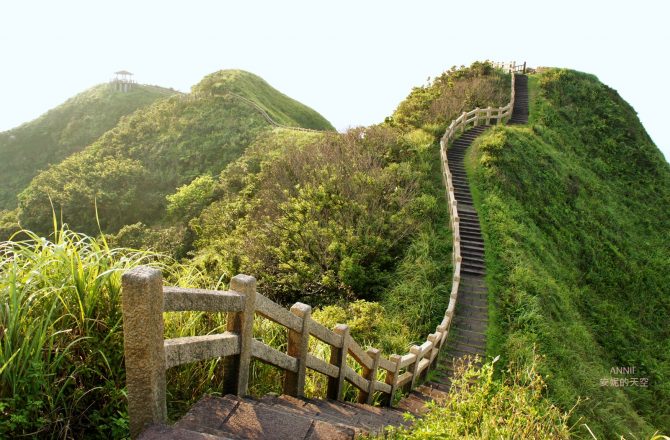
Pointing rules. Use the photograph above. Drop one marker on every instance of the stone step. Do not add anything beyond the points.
(471, 324)
(471, 298)
(472, 292)
(284, 417)
(476, 343)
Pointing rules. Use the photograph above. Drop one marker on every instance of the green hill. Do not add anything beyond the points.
(62, 131)
(574, 208)
(282, 109)
(128, 172)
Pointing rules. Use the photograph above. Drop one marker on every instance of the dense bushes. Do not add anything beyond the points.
(432, 107)
(318, 217)
(64, 130)
(130, 170)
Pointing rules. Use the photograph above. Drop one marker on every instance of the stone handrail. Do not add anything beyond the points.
(148, 355)
(511, 67)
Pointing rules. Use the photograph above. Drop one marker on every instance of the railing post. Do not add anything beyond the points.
(371, 375)
(435, 351)
(298, 343)
(236, 368)
(142, 307)
(415, 350)
(442, 329)
(488, 115)
(524, 67)
(338, 357)
(392, 379)
(476, 116)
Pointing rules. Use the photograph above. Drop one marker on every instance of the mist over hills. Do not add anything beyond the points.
(64, 130)
(160, 145)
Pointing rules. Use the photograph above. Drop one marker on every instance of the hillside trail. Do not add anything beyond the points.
(285, 417)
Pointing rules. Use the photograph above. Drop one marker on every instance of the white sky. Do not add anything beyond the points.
(352, 61)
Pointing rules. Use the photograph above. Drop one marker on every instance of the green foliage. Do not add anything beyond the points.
(281, 108)
(190, 199)
(574, 213)
(174, 241)
(64, 130)
(130, 170)
(321, 218)
(61, 347)
(481, 407)
(433, 106)
(9, 224)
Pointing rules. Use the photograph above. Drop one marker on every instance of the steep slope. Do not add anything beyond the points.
(281, 108)
(64, 130)
(129, 171)
(574, 210)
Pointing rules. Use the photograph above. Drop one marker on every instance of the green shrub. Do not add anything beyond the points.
(481, 407)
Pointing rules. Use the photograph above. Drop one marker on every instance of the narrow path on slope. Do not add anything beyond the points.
(467, 334)
(284, 417)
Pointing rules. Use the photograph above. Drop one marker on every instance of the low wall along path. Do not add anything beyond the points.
(461, 333)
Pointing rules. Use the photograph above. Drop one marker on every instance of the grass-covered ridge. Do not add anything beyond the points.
(351, 222)
(128, 172)
(281, 108)
(64, 130)
(574, 210)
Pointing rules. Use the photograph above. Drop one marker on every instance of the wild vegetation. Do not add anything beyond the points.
(574, 213)
(354, 223)
(64, 130)
(358, 215)
(127, 173)
(482, 406)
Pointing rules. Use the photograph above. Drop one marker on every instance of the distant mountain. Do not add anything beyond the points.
(64, 130)
(282, 109)
(127, 173)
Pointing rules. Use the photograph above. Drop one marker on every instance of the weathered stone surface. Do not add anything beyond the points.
(256, 422)
(142, 306)
(327, 431)
(183, 299)
(162, 432)
(194, 348)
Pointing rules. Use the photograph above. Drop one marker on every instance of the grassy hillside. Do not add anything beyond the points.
(574, 209)
(281, 108)
(62, 131)
(131, 169)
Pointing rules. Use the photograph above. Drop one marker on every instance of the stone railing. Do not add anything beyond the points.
(473, 118)
(148, 355)
(511, 67)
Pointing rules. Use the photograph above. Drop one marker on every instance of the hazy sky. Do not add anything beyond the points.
(353, 61)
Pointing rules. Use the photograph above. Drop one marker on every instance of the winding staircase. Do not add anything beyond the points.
(285, 417)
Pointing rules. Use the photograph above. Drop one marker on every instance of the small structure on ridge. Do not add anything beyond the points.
(122, 81)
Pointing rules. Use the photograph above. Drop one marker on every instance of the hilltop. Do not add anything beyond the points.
(574, 210)
(34, 146)
(128, 172)
(572, 206)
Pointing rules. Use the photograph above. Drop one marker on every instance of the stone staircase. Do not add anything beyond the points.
(284, 417)
(520, 111)
(276, 417)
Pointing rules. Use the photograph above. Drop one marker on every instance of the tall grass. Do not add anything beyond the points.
(61, 347)
(480, 407)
